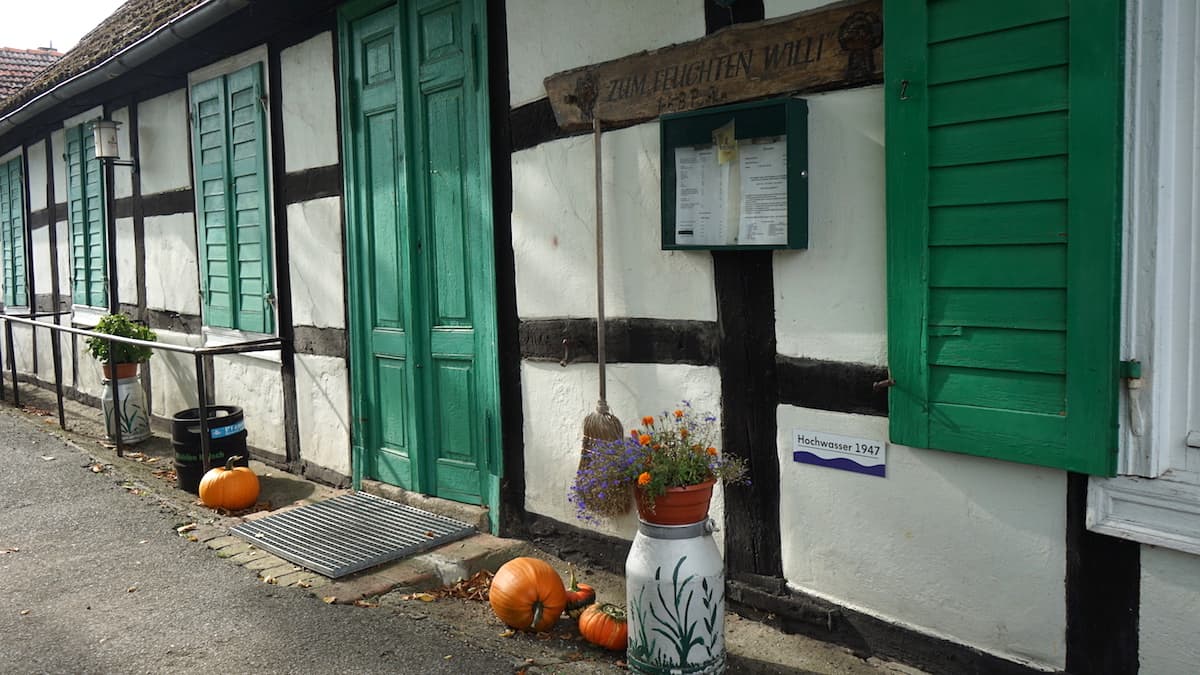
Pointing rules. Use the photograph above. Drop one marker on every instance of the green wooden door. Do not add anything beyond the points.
(422, 292)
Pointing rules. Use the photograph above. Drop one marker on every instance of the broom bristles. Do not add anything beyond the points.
(598, 427)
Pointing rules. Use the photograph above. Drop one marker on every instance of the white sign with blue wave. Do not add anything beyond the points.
(859, 455)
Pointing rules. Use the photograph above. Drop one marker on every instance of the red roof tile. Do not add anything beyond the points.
(19, 66)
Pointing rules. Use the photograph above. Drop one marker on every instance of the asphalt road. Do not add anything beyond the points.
(94, 579)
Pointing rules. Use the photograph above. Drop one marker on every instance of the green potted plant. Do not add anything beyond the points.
(123, 356)
(670, 464)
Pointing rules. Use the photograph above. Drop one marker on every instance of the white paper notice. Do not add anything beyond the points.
(700, 188)
(763, 217)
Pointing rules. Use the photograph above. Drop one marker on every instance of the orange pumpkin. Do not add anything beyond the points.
(229, 487)
(605, 625)
(579, 595)
(527, 594)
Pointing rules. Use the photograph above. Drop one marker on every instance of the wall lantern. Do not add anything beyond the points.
(104, 132)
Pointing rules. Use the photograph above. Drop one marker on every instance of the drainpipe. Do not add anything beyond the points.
(176, 32)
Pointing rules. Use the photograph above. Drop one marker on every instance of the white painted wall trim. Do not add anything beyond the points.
(1157, 500)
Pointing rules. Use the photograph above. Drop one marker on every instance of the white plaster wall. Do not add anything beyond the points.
(122, 175)
(36, 180)
(556, 402)
(172, 276)
(315, 263)
(256, 385)
(163, 143)
(323, 406)
(309, 104)
(126, 271)
(58, 144)
(776, 8)
(40, 265)
(1169, 635)
(22, 351)
(588, 31)
(831, 299)
(554, 234)
(173, 375)
(962, 547)
(62, 235)
(45, 352)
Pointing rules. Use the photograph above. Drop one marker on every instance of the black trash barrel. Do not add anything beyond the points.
(227, 438)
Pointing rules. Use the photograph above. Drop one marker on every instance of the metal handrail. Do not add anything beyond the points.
(198, 353)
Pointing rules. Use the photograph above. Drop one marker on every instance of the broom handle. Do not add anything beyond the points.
(600, 333)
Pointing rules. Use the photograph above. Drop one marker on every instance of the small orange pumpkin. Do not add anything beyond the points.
(579, 595)
(605, 625)
(229, 487)
(527, 594)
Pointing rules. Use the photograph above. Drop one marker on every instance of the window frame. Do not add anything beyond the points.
(1156, 499)
(216, 334)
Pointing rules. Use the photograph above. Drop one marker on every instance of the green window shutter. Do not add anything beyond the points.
(12, 229)
(85, 207)
(210, 155)
(248, 188)
(1004, 177)
(231, 200)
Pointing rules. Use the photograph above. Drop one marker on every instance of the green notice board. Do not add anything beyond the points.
(736, 177)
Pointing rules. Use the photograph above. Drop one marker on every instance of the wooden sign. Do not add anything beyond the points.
(834, 47)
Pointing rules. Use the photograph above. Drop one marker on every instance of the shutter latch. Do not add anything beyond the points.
(270, 298)
(1131, 372)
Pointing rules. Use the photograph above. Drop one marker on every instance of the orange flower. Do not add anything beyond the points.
(712, 450)
(647, 420)
(644, 439)
(634, 432)
(644, 478)
(683, 433)
(656, 446)
(678, 414)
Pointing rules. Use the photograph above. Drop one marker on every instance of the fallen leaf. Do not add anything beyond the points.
(304, 584)
(365, 603)
(186, 528)
(49, 458)
(329, 599)
(270, 580)
(14, 549)
(131, 589)
(24, 612)
(192, 537)
(424, 597)
(508, 633)
(429, 533)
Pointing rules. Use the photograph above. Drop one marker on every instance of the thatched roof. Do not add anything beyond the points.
(131, 22)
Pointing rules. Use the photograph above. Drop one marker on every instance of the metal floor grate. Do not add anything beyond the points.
(350, 532)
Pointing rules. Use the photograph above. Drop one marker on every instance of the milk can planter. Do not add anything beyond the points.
(674, 574)
(675, 587)
(123, 400)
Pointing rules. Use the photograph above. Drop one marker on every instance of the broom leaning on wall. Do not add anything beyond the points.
(601, 425)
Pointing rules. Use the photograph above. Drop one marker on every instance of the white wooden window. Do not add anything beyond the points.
(1156, 500)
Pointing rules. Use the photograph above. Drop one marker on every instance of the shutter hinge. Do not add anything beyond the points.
(1131, 370)
(262, 101)
(270, 298)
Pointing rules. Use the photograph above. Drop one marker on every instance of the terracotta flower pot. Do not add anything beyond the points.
(124, 371)
(678, 505)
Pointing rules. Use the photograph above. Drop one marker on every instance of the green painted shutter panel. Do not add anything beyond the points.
(12, 229)
(229, 140)
(1003, 164)
(93, 189)
(248, 195)
(210, 156)
(85, 206)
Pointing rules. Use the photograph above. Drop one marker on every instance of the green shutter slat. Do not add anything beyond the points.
(1012, 435)
(997, 182)
(1010, 51)
(1043, 266)
(93, 189)
(1036, 309)
(1001, 349)
(1011, 138)
(1013, 223)
(1025, 93)
(1007, 390)
(951, 20)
